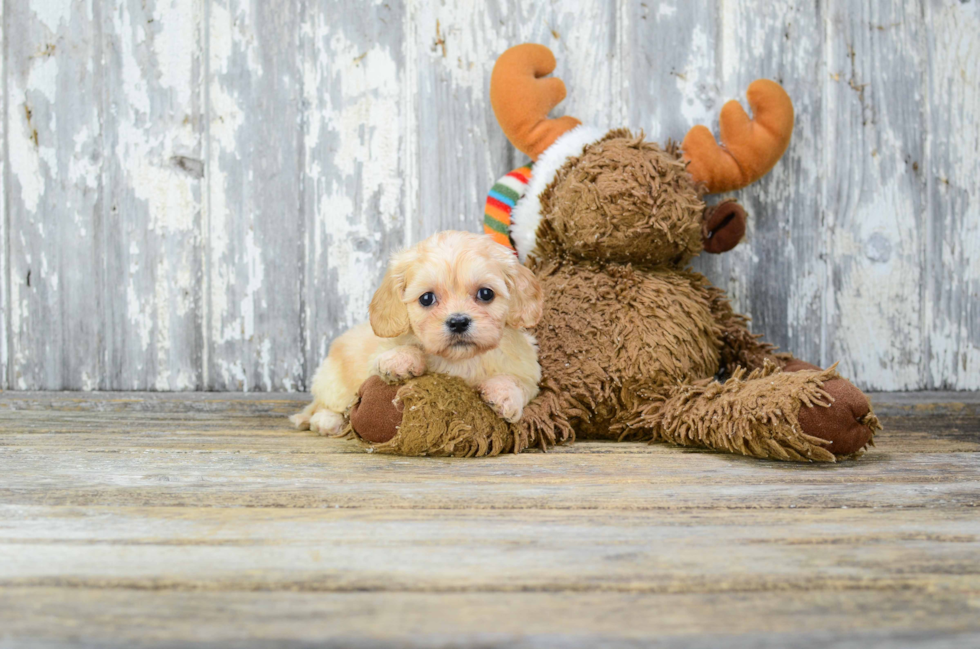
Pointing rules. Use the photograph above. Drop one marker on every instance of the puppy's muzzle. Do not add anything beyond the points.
(458, 323)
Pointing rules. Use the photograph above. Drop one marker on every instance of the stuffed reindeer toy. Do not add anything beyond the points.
(633, 344)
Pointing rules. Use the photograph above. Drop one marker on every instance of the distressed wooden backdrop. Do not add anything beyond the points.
(199, 194)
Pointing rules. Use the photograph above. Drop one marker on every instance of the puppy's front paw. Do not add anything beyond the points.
(301, 420)
(327, 423)
(504, 396)
(401, 363)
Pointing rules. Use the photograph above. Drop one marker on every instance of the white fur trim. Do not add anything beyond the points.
(527, 212)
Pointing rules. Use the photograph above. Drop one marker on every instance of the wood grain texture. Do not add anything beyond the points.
(254, 334)
(55, 195)
(952, 256)
(164, 451)
(4, 239)
(87, 617)
(152, 176)
(182, 520)
(205, 192)
(876, 200)
(247, 549)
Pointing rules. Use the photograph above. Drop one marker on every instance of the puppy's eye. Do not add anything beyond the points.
(427, 299)
(485, 295)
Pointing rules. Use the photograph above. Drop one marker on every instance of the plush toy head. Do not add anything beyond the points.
(612, 196)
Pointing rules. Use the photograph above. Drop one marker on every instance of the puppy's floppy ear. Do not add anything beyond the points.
(388, 314)
(526, 296)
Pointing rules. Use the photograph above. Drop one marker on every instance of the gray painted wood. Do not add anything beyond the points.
(874, 201)
(254, 277)
(4, 240)
(152, 177)
(54, 179)
(214, 185)
(952, 234)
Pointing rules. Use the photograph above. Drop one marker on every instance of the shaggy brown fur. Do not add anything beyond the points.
(611, 334)
(755, 415)
(624, 201)
(467, 427)
(631, 340)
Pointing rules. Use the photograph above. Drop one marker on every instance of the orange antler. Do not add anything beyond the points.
(750, 148)
(521, 98)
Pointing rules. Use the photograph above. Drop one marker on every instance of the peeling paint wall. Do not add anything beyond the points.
(200, 194)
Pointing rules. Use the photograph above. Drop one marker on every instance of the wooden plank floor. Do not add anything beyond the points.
(163, 520)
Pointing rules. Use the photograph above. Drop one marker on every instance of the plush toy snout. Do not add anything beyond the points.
(723, 227)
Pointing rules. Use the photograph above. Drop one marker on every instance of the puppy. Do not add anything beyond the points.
(456, 303)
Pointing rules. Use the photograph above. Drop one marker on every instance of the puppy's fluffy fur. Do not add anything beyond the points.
(406, 337)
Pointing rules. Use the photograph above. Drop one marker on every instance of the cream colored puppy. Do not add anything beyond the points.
(456, 303)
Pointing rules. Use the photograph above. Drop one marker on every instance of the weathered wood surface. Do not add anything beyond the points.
(200, 194)
(4, 264)
(55, 203)
(515, 620)
(151, 179)
(171, 520)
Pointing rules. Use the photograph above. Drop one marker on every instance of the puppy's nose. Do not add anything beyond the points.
(458, 323)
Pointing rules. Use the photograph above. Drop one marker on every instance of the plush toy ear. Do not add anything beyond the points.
(723, 227)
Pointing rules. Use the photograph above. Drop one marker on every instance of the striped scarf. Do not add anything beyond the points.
(501, 201)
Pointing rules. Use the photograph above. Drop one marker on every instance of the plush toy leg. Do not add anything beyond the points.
(807, 415)
(441, 416)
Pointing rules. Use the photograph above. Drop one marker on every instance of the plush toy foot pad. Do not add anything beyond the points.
(376, 415)
(848, 424)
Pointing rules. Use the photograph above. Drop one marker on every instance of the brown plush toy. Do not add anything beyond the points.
(633, 344)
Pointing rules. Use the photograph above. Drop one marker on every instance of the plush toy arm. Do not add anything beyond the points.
(439, 415)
